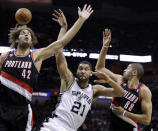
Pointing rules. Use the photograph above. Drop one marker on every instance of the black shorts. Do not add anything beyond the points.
(14, 118)
(117, 124)
(117, 128)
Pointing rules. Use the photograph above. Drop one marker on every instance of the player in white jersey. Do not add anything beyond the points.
(76, 94)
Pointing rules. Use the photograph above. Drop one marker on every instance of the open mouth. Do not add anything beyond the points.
(82, 77)
(26, 38)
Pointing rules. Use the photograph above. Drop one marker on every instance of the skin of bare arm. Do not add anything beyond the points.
(100, 90)
(65, 74)
(100, 66)
(1, 60)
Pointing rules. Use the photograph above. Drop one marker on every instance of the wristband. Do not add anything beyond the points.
(107, 46)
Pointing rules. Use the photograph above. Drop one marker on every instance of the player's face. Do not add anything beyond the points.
(128, 72)
(25, 39)
(84, 72)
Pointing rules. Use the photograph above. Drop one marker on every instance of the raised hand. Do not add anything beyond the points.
(103, 78)
(58, 16)
(85, 12)
(106, 37)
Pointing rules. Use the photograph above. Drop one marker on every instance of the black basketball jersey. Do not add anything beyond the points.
(18, 78)
(131, 102)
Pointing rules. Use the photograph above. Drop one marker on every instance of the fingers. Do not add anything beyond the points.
(100, 81)
(107, 32)
(97, 73)
(91, 12)
(100, 75)
(94, 73)
(56, 20)
(116, 108)
(79, 9)
(88, 8)
(84, 8)
(103, 33)
(61, 11)
(57, 14)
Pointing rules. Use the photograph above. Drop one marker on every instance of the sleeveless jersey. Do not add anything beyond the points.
(74, 105)
(18, 78)
(131, 102)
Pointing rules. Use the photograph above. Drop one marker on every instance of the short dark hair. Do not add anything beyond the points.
(139, 68)
(86, 62)
(14, 34)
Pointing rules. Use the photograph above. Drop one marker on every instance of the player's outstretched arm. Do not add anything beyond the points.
(65, 74)
(106, 41)
(100, 90)
(44, 53)
(100, 66)
(146, 107)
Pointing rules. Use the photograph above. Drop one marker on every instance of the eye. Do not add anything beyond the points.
(80, 68)
(87, 69)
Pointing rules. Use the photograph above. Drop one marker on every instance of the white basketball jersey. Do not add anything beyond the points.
(74, 105)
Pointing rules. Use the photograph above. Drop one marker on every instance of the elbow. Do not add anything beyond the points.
(119, 93)
(122, 93)
(147, 122)
(98, 68)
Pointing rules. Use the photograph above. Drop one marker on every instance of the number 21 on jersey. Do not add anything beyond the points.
(78, 108)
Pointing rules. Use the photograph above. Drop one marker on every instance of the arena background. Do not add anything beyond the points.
(134, 26)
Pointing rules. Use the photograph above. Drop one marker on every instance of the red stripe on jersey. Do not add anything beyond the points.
(140, 91)
(115, 102)
(32, 121)
(17, 81)
(23, 55)
(5, 57)
(34, 61)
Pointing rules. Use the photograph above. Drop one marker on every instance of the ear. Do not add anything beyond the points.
(135, 72)
(91, 73)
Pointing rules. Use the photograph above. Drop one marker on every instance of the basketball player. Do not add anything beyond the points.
(19, 71)
(135, 106)
(76, 94)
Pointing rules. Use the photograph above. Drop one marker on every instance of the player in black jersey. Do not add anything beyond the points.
(19, 70)
(135, 106)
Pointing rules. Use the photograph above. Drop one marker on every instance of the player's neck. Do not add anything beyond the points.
(133, 83)
(82, 84)
(21, 51)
